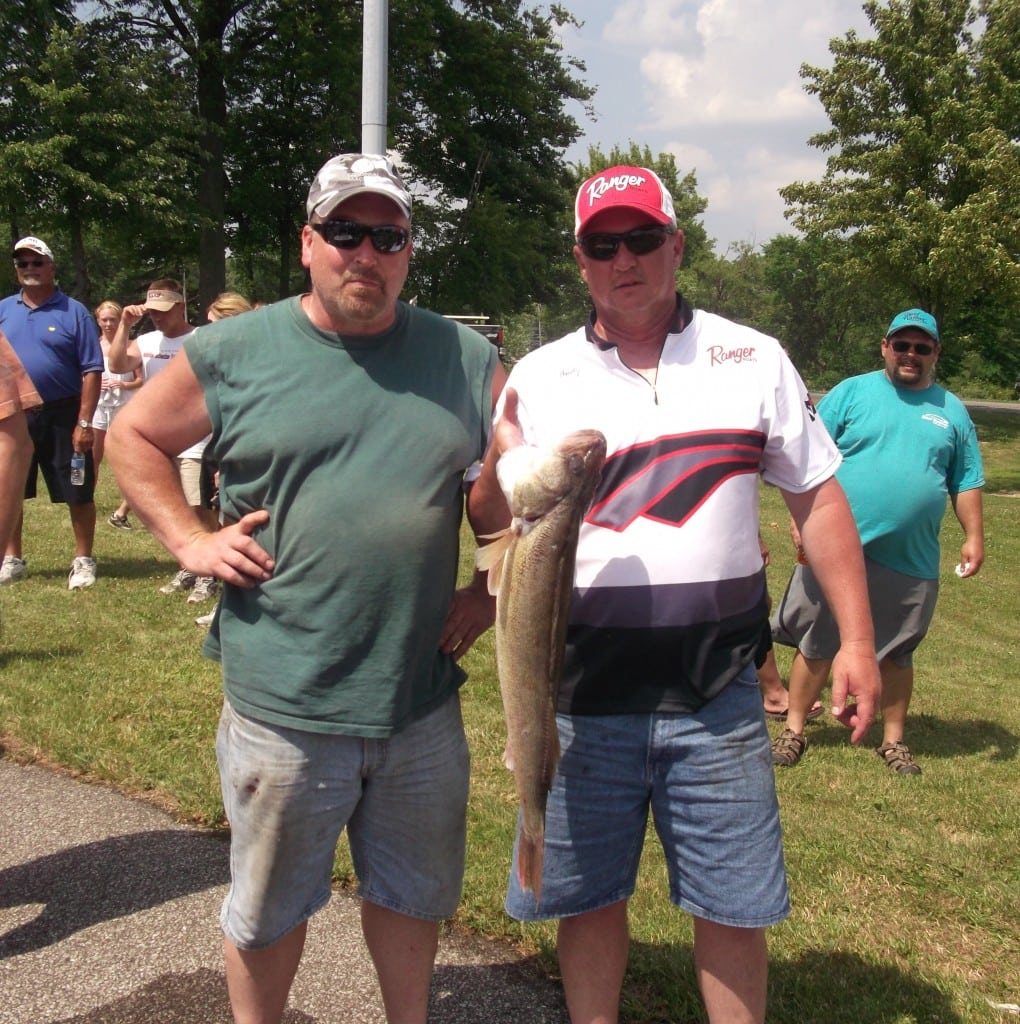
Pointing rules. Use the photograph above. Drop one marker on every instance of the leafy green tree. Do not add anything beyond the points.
(732, 285)
(924, 155)
(108, 142)
(825, 322)
(477, 93)
(25, 27)
(201, 30)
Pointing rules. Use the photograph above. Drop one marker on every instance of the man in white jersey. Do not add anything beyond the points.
(166, 308)
(659, 705)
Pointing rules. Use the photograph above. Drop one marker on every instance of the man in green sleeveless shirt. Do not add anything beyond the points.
(343, 422)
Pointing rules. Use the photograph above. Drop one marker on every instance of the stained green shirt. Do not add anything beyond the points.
(356, 446)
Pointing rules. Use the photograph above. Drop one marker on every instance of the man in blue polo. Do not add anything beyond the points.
(57, 341)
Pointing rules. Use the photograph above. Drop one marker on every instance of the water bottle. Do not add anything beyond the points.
(78, 469)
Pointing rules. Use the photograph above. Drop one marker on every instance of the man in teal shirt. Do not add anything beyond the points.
(906, 444)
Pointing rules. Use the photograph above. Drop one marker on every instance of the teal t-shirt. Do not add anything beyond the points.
(903, 452)
(356, 446)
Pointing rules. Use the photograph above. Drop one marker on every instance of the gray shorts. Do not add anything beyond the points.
(901, 611)
(288, 795)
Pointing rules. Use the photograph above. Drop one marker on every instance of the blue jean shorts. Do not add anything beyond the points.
(288, 794)
(709, 783)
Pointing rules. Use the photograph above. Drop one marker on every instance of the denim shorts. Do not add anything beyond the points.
(709, 782)
(288, 795)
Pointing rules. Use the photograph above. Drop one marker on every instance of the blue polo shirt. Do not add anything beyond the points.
(56, 342)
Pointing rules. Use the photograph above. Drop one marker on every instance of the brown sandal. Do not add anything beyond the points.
(898, 757)
(787, 748)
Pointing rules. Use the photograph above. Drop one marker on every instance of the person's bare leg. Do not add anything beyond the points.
(732, 970)
(15, 458)
(83, 522)
(13, 547)
(593, 950)
(259, 980)
(403, 950)
(98, 447)
(897, 688)
(807, 678)
(771, 682)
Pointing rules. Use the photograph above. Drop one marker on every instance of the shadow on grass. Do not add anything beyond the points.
(821, 986)
(85, 885)
(48, 654)
(932, 737)
(110, 568)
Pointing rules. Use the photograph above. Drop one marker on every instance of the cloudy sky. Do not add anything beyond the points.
(715, 83)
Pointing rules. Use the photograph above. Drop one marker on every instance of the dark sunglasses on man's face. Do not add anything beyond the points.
(23, 264)
(348, 234)
(922, 348)
(601, 245)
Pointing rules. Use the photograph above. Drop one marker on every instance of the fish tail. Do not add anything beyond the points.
(530, 854)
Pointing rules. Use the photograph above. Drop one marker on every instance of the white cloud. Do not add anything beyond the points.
(716, 83)
(638, 22)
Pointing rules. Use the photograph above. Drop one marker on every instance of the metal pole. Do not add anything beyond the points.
(375, 44)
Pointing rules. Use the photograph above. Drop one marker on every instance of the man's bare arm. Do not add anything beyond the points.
(168, 416)
(830, 538)
(124, 356)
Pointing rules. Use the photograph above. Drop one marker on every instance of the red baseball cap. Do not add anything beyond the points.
(632, 188)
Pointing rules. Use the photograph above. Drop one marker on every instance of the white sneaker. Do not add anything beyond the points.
(184, 580)
(206, 620)
(12, 570)
(205, 587)
(82, 574)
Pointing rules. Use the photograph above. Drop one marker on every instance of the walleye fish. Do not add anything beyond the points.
(531, 572)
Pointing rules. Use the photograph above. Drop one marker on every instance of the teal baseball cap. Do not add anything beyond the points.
(915, 318)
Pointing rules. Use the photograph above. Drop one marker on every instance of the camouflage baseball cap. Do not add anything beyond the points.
(353, 174)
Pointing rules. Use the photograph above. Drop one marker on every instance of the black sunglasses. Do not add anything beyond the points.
(601, 245)
(922, 348)
(348, 234)
(22, 264)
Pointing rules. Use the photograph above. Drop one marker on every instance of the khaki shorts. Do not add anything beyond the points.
(191, 480)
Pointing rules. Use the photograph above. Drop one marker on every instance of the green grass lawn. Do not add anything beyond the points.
(905, 891)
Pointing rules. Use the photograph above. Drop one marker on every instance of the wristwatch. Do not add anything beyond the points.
(84, 424)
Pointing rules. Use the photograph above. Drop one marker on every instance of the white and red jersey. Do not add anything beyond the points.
(669, 593)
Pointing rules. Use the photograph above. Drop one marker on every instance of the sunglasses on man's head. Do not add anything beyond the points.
(348, 234)
(602, 245)
(22, 264)
(922, 348)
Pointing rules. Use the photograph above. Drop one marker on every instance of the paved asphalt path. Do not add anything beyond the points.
(108, 915)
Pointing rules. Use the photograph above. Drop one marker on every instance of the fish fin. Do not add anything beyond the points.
(491, 557)
(508, 756)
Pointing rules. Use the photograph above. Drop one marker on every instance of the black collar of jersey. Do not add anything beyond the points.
(684, 315)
